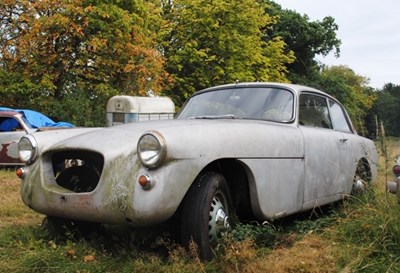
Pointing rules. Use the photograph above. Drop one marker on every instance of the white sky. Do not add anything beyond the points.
(369, 31)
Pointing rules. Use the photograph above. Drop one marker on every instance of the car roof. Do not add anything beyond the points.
(296, 88)
(9, 113)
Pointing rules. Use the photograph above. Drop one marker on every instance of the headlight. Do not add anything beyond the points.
(27, 148)
(152, 149)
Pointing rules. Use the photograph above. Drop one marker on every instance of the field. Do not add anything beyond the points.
(361, 234)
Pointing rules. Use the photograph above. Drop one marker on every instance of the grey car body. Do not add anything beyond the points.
(267, 149)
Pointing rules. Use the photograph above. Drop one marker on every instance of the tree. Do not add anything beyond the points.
(65, 46)
(305, 38)
(350, 89)
(219, 41)
(17, 91)
(386, 110)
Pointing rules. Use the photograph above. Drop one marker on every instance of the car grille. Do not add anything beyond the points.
(77, 170)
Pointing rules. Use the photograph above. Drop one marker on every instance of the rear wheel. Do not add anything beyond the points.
(362, 178)
(206, 213)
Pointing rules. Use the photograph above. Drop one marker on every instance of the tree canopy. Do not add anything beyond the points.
(66, 58)
(220, 41)
(386, 110)
(94, 48)
(306, 38)
(63, 44)
(350, 89)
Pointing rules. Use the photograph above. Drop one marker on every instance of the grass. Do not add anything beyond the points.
(361, 234)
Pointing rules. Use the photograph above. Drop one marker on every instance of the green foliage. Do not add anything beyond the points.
(264, 234)
(81, 108)
(55, 50)
(67, 58)
(217, 42)
(369, 230)
(305, 38)
(386, 110)
(350, 89)
(17, 91)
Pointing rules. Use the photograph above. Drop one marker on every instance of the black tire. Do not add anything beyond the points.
(362, 178)
(206, 213)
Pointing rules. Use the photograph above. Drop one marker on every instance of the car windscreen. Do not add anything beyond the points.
(265, 103)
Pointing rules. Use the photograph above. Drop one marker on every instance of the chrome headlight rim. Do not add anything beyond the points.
(152, 149)
(27, 155)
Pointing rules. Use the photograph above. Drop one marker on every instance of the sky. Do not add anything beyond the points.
(369, 31)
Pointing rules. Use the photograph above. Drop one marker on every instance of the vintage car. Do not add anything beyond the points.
(234, 152)
(394, 186)
(14, 124)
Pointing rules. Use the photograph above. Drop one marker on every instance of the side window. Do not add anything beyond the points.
(338, 116)
(314, 112)
(9, 125)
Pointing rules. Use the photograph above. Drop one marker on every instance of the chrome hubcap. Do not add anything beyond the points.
(218, 220)
(359, 184)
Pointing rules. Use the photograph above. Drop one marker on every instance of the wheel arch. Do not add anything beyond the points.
(236, 174)
(366, 165)
(363, 177)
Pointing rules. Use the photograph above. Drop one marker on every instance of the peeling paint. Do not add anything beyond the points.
(119, 176)
(119, 196)
(8, 153)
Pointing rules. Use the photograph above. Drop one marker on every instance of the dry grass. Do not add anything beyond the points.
(310, 254)
(12, 209)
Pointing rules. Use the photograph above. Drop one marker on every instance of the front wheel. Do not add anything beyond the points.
(206, 213)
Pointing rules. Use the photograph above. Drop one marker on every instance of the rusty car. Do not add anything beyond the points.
(15, 123)
(233, 153)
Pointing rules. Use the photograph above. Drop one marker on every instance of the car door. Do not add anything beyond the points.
(347, 157)
(11, 131)
(323, 148)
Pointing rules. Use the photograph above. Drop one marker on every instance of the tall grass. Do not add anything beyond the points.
(369, 225)
(368, 230)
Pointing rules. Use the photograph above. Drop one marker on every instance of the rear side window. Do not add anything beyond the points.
(338, 116)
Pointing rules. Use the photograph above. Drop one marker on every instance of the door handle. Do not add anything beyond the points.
(343, 140)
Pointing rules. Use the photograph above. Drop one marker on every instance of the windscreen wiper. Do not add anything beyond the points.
(229, 116)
